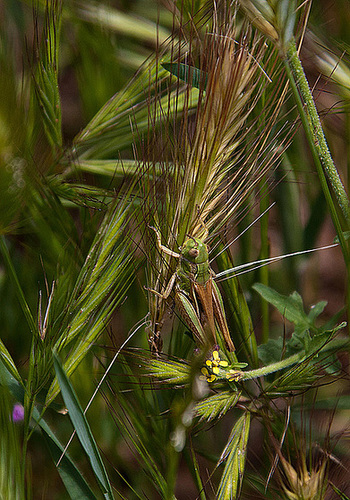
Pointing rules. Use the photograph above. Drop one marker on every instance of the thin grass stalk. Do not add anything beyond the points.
(319, 151)
(315, 153)
(312, 124)
(264, 271)
(264, 250)
(192, 464)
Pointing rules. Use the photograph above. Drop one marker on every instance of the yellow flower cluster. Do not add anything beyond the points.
(212, 369)
(214, 366)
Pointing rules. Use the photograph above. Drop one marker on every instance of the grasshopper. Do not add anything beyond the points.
(197, 296)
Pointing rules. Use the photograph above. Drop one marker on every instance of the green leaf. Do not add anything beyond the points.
(12, 485)
(189, 74)
(332, 403)
(72, 478)
(316, 310)
(290, 307)
(123, 23)
(271, 351)
(217, 405)
(235, 455)
(82, 429)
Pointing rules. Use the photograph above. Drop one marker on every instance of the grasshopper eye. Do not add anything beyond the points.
(193, 252)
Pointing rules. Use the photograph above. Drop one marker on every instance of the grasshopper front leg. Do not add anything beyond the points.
(162, 247)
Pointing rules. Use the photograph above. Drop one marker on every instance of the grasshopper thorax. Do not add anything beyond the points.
(195, 251)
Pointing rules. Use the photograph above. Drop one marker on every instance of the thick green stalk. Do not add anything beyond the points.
(319, 149)
(334, 346)
(313, 128)
(274, 367)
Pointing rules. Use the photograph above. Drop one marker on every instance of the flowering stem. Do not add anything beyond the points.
(336, 344)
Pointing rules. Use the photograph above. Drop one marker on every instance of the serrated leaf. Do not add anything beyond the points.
(290, 307)
(217, 405)
(235, 455)
(316, 310)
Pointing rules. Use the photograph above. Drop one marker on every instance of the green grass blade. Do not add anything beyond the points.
(82, 429)
(193, 464)
(341, 494)
(111, 131)
(72, 478)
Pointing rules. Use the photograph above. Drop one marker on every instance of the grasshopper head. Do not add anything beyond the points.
(195, 251)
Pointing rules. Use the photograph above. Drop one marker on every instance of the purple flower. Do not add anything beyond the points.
(17, 413)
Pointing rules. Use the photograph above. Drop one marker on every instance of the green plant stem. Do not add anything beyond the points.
(273, 367)
(309, 135)
(335, 345)
(313, 128)
(319, 149)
